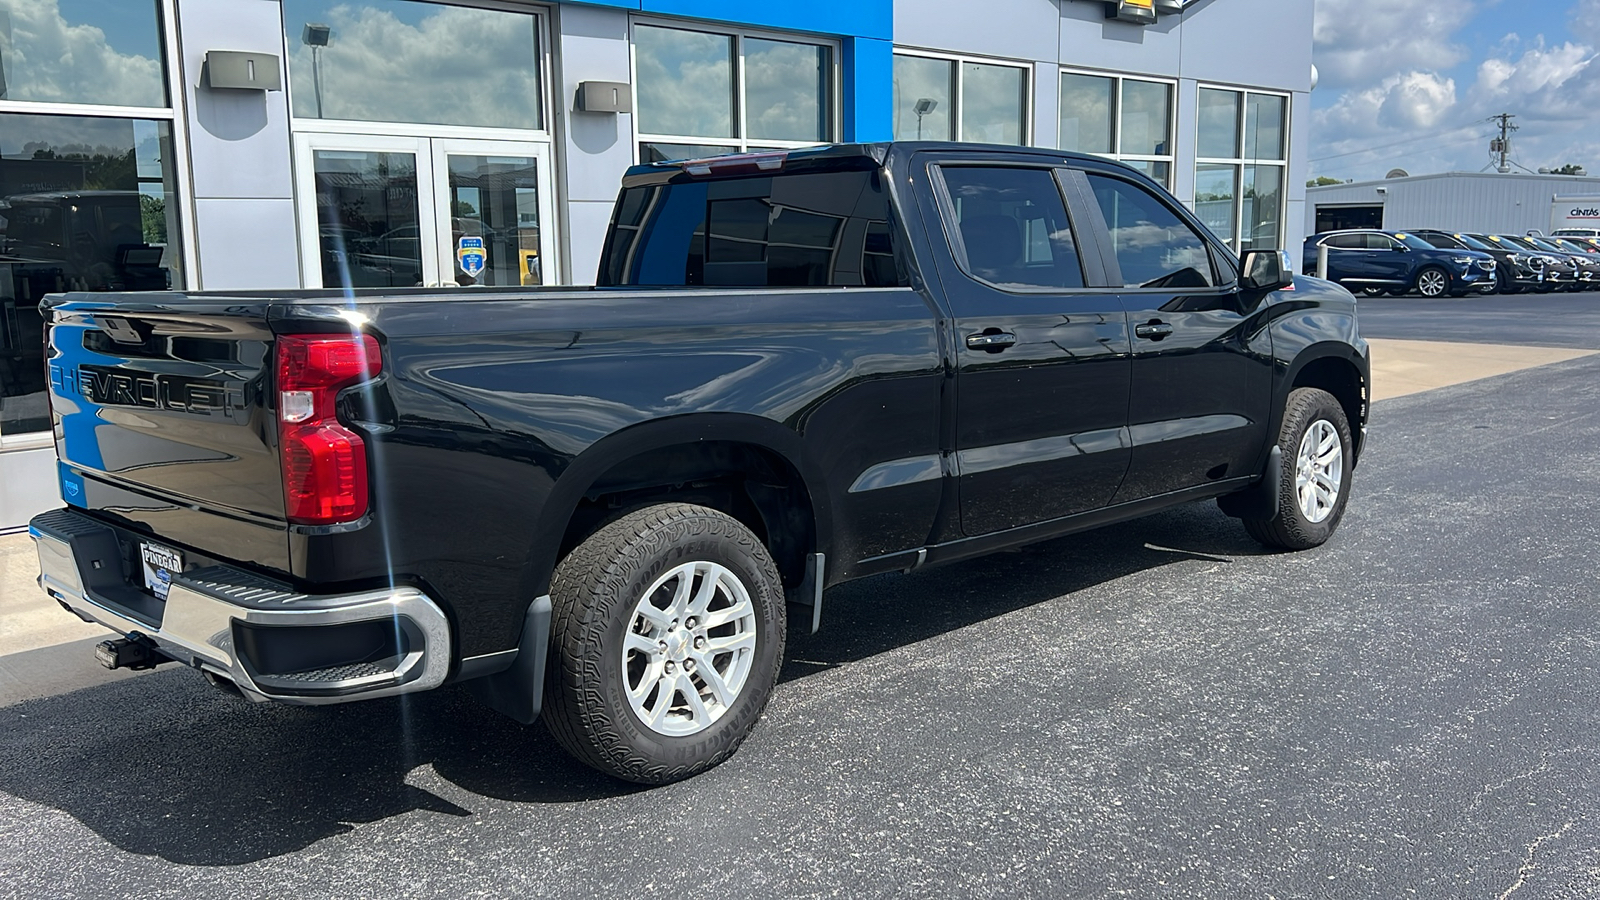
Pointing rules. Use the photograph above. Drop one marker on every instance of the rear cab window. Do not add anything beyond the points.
(807, 229)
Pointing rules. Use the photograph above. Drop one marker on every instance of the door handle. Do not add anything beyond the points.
(1154, 330)
(991, 341)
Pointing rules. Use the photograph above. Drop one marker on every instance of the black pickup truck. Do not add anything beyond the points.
(602, 504)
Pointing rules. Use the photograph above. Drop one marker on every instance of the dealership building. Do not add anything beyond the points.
(272, 144)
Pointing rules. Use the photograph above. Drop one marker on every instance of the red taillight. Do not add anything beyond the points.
(324, 463)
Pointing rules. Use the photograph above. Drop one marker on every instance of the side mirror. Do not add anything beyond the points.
(1265, 270)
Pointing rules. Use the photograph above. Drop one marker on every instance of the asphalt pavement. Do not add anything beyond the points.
(1543, 320)
(1155, 709)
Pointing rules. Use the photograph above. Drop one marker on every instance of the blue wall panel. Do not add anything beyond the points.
(868, 90)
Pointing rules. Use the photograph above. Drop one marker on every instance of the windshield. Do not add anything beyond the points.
(1414, 242)
(1472, 242)
(1513, 243)
(1544, 245)
(1567, 245)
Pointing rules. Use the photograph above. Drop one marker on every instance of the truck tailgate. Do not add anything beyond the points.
(160, 420)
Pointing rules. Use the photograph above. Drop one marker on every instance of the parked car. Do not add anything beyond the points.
(590, 505)
(1560, 272)
(1378, 262)
(1515, 271)
(1590, 233)
(1585, 266)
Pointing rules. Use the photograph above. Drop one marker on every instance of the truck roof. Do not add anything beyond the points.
(821, 156)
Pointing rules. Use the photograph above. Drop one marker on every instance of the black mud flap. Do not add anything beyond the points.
(1260, 500)
(518, 691)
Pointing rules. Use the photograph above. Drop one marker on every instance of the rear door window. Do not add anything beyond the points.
(800, 230)
(1012, 225)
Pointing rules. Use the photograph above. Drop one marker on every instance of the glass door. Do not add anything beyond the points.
(494, 212)
(389, 211)
(364, 219)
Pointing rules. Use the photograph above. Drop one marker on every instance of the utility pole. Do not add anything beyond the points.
(1502, 144)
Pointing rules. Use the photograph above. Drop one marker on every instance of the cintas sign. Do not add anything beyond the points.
(1142, 12)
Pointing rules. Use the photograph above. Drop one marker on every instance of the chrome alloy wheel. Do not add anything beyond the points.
(1319, 471)
(1433, 283)
(689, 648)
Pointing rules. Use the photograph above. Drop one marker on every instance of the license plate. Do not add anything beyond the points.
(160, 564)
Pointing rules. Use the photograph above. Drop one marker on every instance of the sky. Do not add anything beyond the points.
(1410, 84)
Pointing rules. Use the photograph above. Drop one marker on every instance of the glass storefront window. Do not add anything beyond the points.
(105, 52)
(923, 92)
(414, 62)
(701, 93)
(1146, 117)
(1263, 127)
(86, 204)
(1129, 119)
(1215, 199)
(1086, 110)
(786, 90)
(1263, 198)
(1219, 124)
(685, 82)
(983, 101)
(1240, 172)
(993, 103)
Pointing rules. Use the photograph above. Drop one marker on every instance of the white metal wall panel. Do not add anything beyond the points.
(1458, 201)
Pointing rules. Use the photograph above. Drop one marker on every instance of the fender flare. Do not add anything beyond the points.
(645, 437)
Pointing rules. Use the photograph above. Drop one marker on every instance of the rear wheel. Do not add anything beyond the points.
(667, 633)
(1314, 479)
(1374, 291)
(1433, 282)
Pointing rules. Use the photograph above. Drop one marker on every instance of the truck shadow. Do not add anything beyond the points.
(163, 765)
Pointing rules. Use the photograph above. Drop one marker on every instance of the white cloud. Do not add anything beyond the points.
(1538, 70)
(1410, 101)
(48, 59)
(1362, 40)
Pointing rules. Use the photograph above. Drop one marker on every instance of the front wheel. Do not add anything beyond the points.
(1314, 479)
(1433, 282)
(667, 633)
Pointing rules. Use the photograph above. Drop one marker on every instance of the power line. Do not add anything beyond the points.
(1464, 141)
(1427, 137)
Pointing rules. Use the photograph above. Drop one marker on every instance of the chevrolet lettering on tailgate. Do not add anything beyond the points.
(119, 387)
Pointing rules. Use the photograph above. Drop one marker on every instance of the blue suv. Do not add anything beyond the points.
(1394, 262)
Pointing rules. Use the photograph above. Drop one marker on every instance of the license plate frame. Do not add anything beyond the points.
(159, 563)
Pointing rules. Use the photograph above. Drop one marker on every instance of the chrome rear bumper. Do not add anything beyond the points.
(269, 641)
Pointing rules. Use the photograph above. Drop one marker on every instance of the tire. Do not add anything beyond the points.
(662, 557)
(1503, 282)
(1432, 282)
(1374, 291)
(1291, 528)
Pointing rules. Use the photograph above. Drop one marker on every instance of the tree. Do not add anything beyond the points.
(1568, 169)
(1322, 181)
